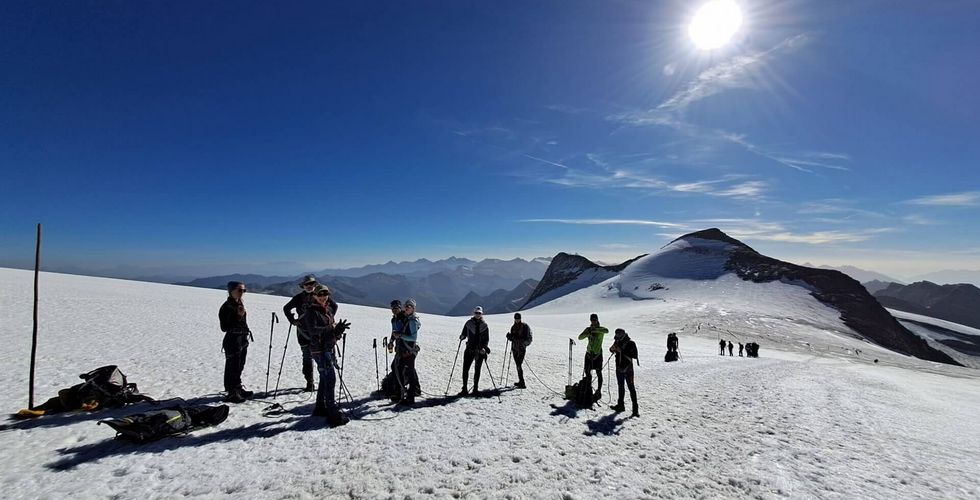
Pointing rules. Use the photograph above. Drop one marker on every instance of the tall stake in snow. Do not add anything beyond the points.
(37, 269)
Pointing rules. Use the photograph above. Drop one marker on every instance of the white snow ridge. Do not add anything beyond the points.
(813, 417)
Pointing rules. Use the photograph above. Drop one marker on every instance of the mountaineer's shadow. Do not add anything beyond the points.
(608, 425)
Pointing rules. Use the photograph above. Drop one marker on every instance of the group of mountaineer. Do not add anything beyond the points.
(313, 313)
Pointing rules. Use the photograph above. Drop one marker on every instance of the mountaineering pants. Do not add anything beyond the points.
(626, 375)
(328, 381)
(468, 358)
(594, 362)
(304, 347)
(235, 346)
(519, 351)
(409, 378)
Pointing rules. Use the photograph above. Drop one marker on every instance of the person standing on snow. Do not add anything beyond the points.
(593, 352)
(721, 346)
(234, 322)
(519, 337)
(477, 335)
(741, 348)
(406, 351)
(300, 302)
(318, 323)
(397, 323)
(625, 350)
(730, 347)
(672, 342)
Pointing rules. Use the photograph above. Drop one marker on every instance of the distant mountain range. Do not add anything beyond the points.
(439, 287)
(956, 303)
(861, 275)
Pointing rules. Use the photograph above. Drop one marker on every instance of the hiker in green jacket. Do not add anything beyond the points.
(593, 353)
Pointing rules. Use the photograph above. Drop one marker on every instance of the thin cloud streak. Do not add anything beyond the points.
(964, 199)
(609, 222)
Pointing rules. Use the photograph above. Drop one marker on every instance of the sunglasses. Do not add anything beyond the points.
(321, 294)
(240, 290)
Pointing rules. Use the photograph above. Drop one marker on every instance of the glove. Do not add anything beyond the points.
(509, 337)
(293, 322)
(486, 350)
(462, 336)
(341, 327)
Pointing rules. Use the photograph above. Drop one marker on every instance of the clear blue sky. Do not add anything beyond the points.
(210, 137)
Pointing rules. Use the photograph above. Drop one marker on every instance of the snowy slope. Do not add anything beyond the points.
(812, 417)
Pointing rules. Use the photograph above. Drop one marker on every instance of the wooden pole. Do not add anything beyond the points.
(37, 269)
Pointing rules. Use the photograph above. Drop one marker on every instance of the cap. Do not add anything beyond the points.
(478, 310)
(309, 278)
(396, 303)
(321, 290)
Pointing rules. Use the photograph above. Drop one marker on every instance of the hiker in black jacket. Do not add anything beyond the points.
(625, 350)
(318, 323)
(233, 321)
(730, 347)
(300, 302)
(519, 337)
(721, 345)
(477, 335)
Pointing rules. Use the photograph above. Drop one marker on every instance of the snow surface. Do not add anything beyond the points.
(812, 417)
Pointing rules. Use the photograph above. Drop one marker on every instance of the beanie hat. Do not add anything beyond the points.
(410, 303)
(593, 317)
(396, 303)
(517, 315)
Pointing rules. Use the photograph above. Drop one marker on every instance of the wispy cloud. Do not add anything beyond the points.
(746, 229)
(564, 108)
(738, 72)
(609, 222)
(542, 160)
(837, 206)
(964, 199)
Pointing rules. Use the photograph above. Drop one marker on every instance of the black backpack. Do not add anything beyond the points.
(390, 388)
(584, 397)
(106, 385)
(170, 421)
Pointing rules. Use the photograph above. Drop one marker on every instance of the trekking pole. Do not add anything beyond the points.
(377, 371)
(384, 343)
(281, 362)
(509, 363)
(570, 344)
(455, 359)
(504, 360)
(495, 388)
(268, 364)
(343, 360)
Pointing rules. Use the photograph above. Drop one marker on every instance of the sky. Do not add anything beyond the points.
(204, 138)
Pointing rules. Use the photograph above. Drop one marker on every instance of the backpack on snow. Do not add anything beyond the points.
(103, 387)
(581, 392)
(670, 356)
(390, 388)
(153, 425)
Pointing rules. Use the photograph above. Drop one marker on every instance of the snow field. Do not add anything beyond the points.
(812, 417)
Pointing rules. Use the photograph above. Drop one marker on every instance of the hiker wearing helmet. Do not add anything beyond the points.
(625, 350)
(300, 302)
(323, 332)
(520, 338)
(234, 323)
(477, 335)
(593, 352)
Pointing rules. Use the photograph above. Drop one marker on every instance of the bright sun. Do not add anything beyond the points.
(715, 23)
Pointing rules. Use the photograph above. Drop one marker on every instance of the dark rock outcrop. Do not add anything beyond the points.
(956, 303)
(567, 269)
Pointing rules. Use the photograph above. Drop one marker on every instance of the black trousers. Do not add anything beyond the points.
(304, 348)
(594, 362)
(468, 358)
(627, 377)
(519, 351)
(405, 354)
(236, 349)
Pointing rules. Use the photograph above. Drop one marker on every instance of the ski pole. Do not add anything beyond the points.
(377, 371)
(343, 360)
(385, 343)
(281, 362)
(570, 344)
(509, 363)
(489, 372)
(456, 358)
(268, 364)
(503, 361)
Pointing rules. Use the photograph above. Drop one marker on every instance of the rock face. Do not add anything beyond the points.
(858, 309)
(956, 303)
(568, 273)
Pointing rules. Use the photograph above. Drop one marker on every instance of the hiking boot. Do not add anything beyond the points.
(464, 392)
(597, 396)
(337, 419)
(309, 386)
(245, 394)
(636, 411)
(320, 411)
(476, 393)
(408, 401)
(234, 396)
(520, 385)
(618, 408)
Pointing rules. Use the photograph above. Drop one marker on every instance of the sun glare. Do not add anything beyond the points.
(715, 23)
